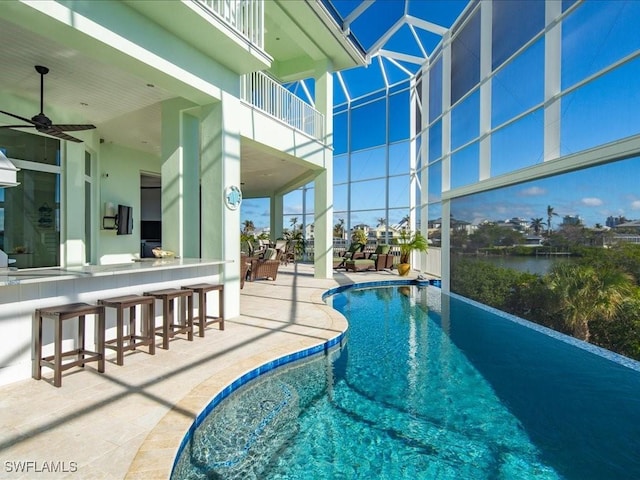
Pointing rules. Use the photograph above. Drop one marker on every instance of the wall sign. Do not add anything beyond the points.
(232, 197)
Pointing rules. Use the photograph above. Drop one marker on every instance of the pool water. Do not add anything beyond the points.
(427, 387)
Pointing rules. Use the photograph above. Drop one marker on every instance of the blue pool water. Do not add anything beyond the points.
(427, 387)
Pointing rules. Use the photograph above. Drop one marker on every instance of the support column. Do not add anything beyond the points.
(276, 216)
(552, 80)
(220, 172)
(323, 184)
(73, 248)
(180, 183)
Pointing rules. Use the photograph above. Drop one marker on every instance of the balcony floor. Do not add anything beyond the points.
(128, 422)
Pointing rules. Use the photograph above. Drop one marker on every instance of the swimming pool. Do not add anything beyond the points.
(428, 386)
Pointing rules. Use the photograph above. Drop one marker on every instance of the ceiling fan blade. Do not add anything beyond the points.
(17, 126)
(73, 128)
(19, 117)
(55, 132)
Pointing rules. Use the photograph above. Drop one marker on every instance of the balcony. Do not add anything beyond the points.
(244, 16)
(268, 96)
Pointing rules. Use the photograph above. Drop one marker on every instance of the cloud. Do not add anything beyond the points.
(635, 205)
(533, 192)
(591, 202)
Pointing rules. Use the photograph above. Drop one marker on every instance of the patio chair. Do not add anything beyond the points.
(245, 265)
(354, 251)
(380, 259)
(289, 254)
(265, 267)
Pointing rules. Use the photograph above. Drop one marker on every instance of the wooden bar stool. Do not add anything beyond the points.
(169, 329)
(147, 336)
(203, 319)
(59, 314)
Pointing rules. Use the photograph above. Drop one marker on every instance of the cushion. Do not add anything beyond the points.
(270, 254)
(382, 249)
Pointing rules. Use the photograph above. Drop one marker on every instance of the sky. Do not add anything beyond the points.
(594, 194)
(604, 110)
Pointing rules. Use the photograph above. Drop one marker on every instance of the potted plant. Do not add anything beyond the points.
(409, 241)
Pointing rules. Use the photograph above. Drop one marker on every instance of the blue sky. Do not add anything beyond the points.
(593, 194)
(604, 110)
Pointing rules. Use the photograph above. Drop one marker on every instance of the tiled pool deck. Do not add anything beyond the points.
(129, 421)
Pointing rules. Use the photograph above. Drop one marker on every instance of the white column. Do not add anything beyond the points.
(220, 171)
(323, 184)
(179, 178)
(276, 214)
(552, 80)
(485, 89)
(73, 248)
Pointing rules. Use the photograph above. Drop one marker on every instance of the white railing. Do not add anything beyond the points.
(266, 94)
(245, 16)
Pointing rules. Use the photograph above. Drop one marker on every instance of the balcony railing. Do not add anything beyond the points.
(267, 95)
(245, 16)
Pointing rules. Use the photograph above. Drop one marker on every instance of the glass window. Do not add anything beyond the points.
(32, 219)
(340, 193)
(368, 195)
(369, 163)
(88, 207)
(292, 203)
(31, 210)
(368, 125)
(595, 35)
(518, 145)
(435, 141)
(602, 111)
(434, 228)
(465, 58)
(465, 121)
(465, 168)
(340, 133)
(514, 24)
(340, 169)
(519, 86)
(32, 148)
(435, 90)
(399, 191)
(435, 182)
(399, 158)
(399, 116)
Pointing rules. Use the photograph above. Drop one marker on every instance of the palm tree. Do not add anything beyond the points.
(248, 227)
(382, 222)
(338, 229)
(586, 293)
(536, 224)
(550, 213)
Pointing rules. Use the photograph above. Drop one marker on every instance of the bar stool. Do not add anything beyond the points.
(169, 329)
(203, 319)
(83, 356)
(147, 337)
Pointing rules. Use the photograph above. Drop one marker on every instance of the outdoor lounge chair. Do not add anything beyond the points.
(381, 259)
(265, 267)
(354, 251)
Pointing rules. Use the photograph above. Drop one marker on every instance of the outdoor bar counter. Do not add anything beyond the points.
(23, 291)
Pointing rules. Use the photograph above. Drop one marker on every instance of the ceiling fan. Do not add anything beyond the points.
(41, 122)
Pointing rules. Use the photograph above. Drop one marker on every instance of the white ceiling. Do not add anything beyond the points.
(125, 108)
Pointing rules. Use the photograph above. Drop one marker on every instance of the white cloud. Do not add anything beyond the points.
(591, 202)
(533, 192)
(635, 205)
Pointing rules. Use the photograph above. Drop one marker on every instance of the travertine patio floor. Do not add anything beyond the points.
(128, 422)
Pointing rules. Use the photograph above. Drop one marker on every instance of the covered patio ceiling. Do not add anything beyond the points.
(125, 108)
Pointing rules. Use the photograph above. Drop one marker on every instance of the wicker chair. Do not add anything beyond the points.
(245, 265)
(264, 268)
(379, 260)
